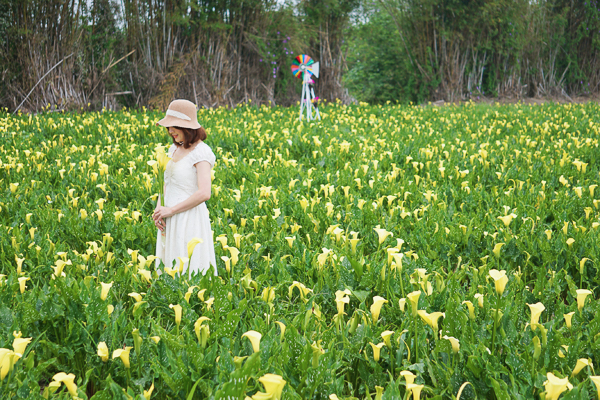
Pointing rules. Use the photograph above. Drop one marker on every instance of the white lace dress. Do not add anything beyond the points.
(180, 183)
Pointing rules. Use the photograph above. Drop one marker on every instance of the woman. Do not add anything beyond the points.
(187, 188)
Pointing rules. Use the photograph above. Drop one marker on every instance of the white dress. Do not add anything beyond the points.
(181, 182)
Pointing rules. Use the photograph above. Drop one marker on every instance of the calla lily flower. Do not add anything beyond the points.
(386, 336)
(479, 298)
(409, 377)
(183, 261)
(413, 298)
(171, 271)
(290, 240)
(318, 351)
(581, 364)
(431, 319)
(507, 219)
(570, 242)
(105, 288)
(22, 285)
(500, 280)
(103, 351)
(198, 324)
(68, 380)
(177, 308)
(497, 248)
(341, 298)
(536, 311)
(376, 350)
(123, 354)
(136, 296)
(273, 384)
(254, 338)
(281, 328)
(303, 290)
(471, 308)
(234, 255)
(415, 390)
(378, 302)
(569, 318)
(378, 392)
(192, 244)
(454, 342)
(402, 303)
(555, 386)
(382, 233)
(155, 339)
(596, 380)
(20, 344)
(148, 393)
(147, 275)
(581, 296)
(7, 360)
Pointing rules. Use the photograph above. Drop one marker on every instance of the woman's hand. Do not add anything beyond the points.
(160, 213)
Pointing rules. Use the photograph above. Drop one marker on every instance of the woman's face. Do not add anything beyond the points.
(177, 134)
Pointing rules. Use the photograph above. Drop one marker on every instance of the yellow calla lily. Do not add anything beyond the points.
(7, 360)
(507, 219)
(68, 380)
(103, 351)
(569, 318)
(22, 280)
(136, 296)
(471, 308)
(497, 248)
(500, 280)
(148, 393)
(581, 364)
(582, 294)
(303, 290)
(386, 336)
(413, 298)
(341, 298)
(376, 350)
(192, 244)
(198, 325)
(409, 377)
(454, 342)
(431, 319)
(555, 386)
(254, 338)
(596, 381)
(123, 354)
(382, 233)
(105, 289)
(536, 311)
(20, 344)
(378, 302)
(273, 384)
(178, 310)
(415, 390)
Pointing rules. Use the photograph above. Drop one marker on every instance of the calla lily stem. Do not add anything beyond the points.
(495, 322)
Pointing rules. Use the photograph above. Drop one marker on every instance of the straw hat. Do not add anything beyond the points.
(181, 113)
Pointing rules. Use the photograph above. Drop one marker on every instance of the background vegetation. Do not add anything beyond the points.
(223, 52)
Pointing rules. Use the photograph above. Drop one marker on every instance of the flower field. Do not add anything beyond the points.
(386, 252)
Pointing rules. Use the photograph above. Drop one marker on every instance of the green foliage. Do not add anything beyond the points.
(373, 201)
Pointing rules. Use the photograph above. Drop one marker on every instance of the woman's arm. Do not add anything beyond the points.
(200, 196)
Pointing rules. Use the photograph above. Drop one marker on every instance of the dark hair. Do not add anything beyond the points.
(190, 136)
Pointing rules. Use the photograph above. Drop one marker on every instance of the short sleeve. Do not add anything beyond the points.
(171, 150)
(203, 152)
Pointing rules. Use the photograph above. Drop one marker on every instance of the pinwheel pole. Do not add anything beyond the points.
(304, 67)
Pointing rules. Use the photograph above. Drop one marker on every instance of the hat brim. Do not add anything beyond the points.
(177, 122)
